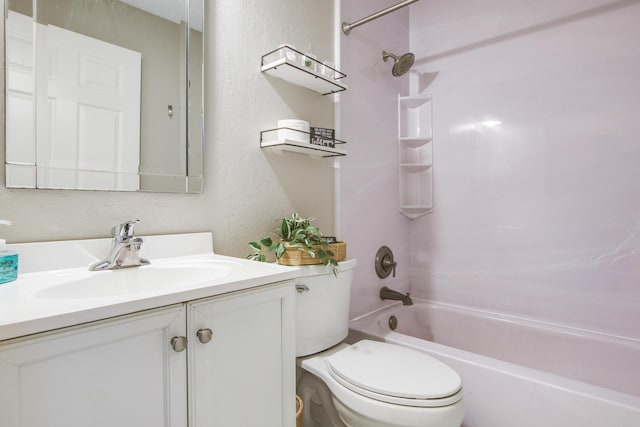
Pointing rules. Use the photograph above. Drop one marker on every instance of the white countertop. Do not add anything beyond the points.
(34, 304)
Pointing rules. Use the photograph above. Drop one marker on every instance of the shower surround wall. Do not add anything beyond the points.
(537, 147)
(369, 174)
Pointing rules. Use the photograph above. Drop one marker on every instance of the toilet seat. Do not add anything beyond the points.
(395, 374)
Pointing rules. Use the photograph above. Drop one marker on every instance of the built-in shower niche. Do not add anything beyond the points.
(416, 155)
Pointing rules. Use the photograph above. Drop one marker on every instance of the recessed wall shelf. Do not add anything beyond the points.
(415, 167)
(269, 140)
(415, 211)
(414, 142)
(303, 70)
(415, 147)
(414, 101)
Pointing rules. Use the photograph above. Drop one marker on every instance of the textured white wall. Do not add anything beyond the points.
(245, 188)
(370, 215)
(538, 215)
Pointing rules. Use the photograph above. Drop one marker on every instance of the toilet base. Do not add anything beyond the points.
(318, 408)
(446, 416)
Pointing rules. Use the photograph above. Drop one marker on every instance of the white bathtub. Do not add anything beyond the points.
(517, 372)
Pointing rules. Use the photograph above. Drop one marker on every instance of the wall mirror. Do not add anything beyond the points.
(104, 94)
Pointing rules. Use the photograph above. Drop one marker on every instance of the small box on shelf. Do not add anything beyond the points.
(323, 136)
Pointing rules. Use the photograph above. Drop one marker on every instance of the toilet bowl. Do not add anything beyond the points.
(378, 384)
(369, 383)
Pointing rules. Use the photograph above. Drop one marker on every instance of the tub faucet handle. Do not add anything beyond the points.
(385, 263)
(389, 263)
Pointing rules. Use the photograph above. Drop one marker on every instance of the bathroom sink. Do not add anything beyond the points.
(132, 281)
(56, 289)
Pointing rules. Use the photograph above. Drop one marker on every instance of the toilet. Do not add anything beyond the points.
(368, 383)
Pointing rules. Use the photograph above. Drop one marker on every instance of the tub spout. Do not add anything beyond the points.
(386, 293)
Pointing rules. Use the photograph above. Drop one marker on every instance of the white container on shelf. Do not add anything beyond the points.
(327, 69)
(310, 62)
(297, 130)
(288, 52)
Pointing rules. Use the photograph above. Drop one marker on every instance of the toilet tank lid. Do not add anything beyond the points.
(393, 370)
(319, 269)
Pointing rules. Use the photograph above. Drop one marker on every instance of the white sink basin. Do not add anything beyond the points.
(132, 281)
(55, 288)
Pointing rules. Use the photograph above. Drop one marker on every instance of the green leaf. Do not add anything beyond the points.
(330, 253)
(299, 236)
(257, 257)
(285, 229)
(266, 241)
(255, 245)
(279, 249)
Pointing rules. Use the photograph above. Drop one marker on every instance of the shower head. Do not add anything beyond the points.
(401, 64)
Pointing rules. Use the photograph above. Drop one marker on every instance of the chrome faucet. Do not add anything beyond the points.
(125, 251)
(386, 293)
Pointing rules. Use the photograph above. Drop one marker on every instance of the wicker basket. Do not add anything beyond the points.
(299, 407)
(294, 256)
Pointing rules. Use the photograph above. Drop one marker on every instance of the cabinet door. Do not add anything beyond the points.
(118, 372)
(244, 376)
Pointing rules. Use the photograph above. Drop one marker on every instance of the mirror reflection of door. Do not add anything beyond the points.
(88, 101)
(89, 121)
(20, 157)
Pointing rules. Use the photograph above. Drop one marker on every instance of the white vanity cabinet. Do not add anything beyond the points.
(115, 372)
(244, 376)
(129, 371)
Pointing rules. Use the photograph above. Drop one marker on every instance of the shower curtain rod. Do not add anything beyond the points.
(346, 28)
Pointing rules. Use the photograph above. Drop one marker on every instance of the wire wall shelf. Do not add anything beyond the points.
(302, 69)
(316, 143)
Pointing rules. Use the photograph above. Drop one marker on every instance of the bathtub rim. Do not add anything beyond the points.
(528, 321)
(559, 382)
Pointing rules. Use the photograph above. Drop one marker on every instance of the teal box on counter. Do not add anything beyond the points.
(8, 267)
(8, 261)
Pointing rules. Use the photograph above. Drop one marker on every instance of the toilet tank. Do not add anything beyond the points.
(322, 306)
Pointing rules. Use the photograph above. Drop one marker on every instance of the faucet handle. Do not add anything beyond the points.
(125, 230)
(389, 263)
(385, 263)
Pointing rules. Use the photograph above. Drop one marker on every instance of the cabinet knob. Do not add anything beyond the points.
(204, 335)
(302, 288)
(179, 343)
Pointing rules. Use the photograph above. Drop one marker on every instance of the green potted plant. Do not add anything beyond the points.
(298, 242)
